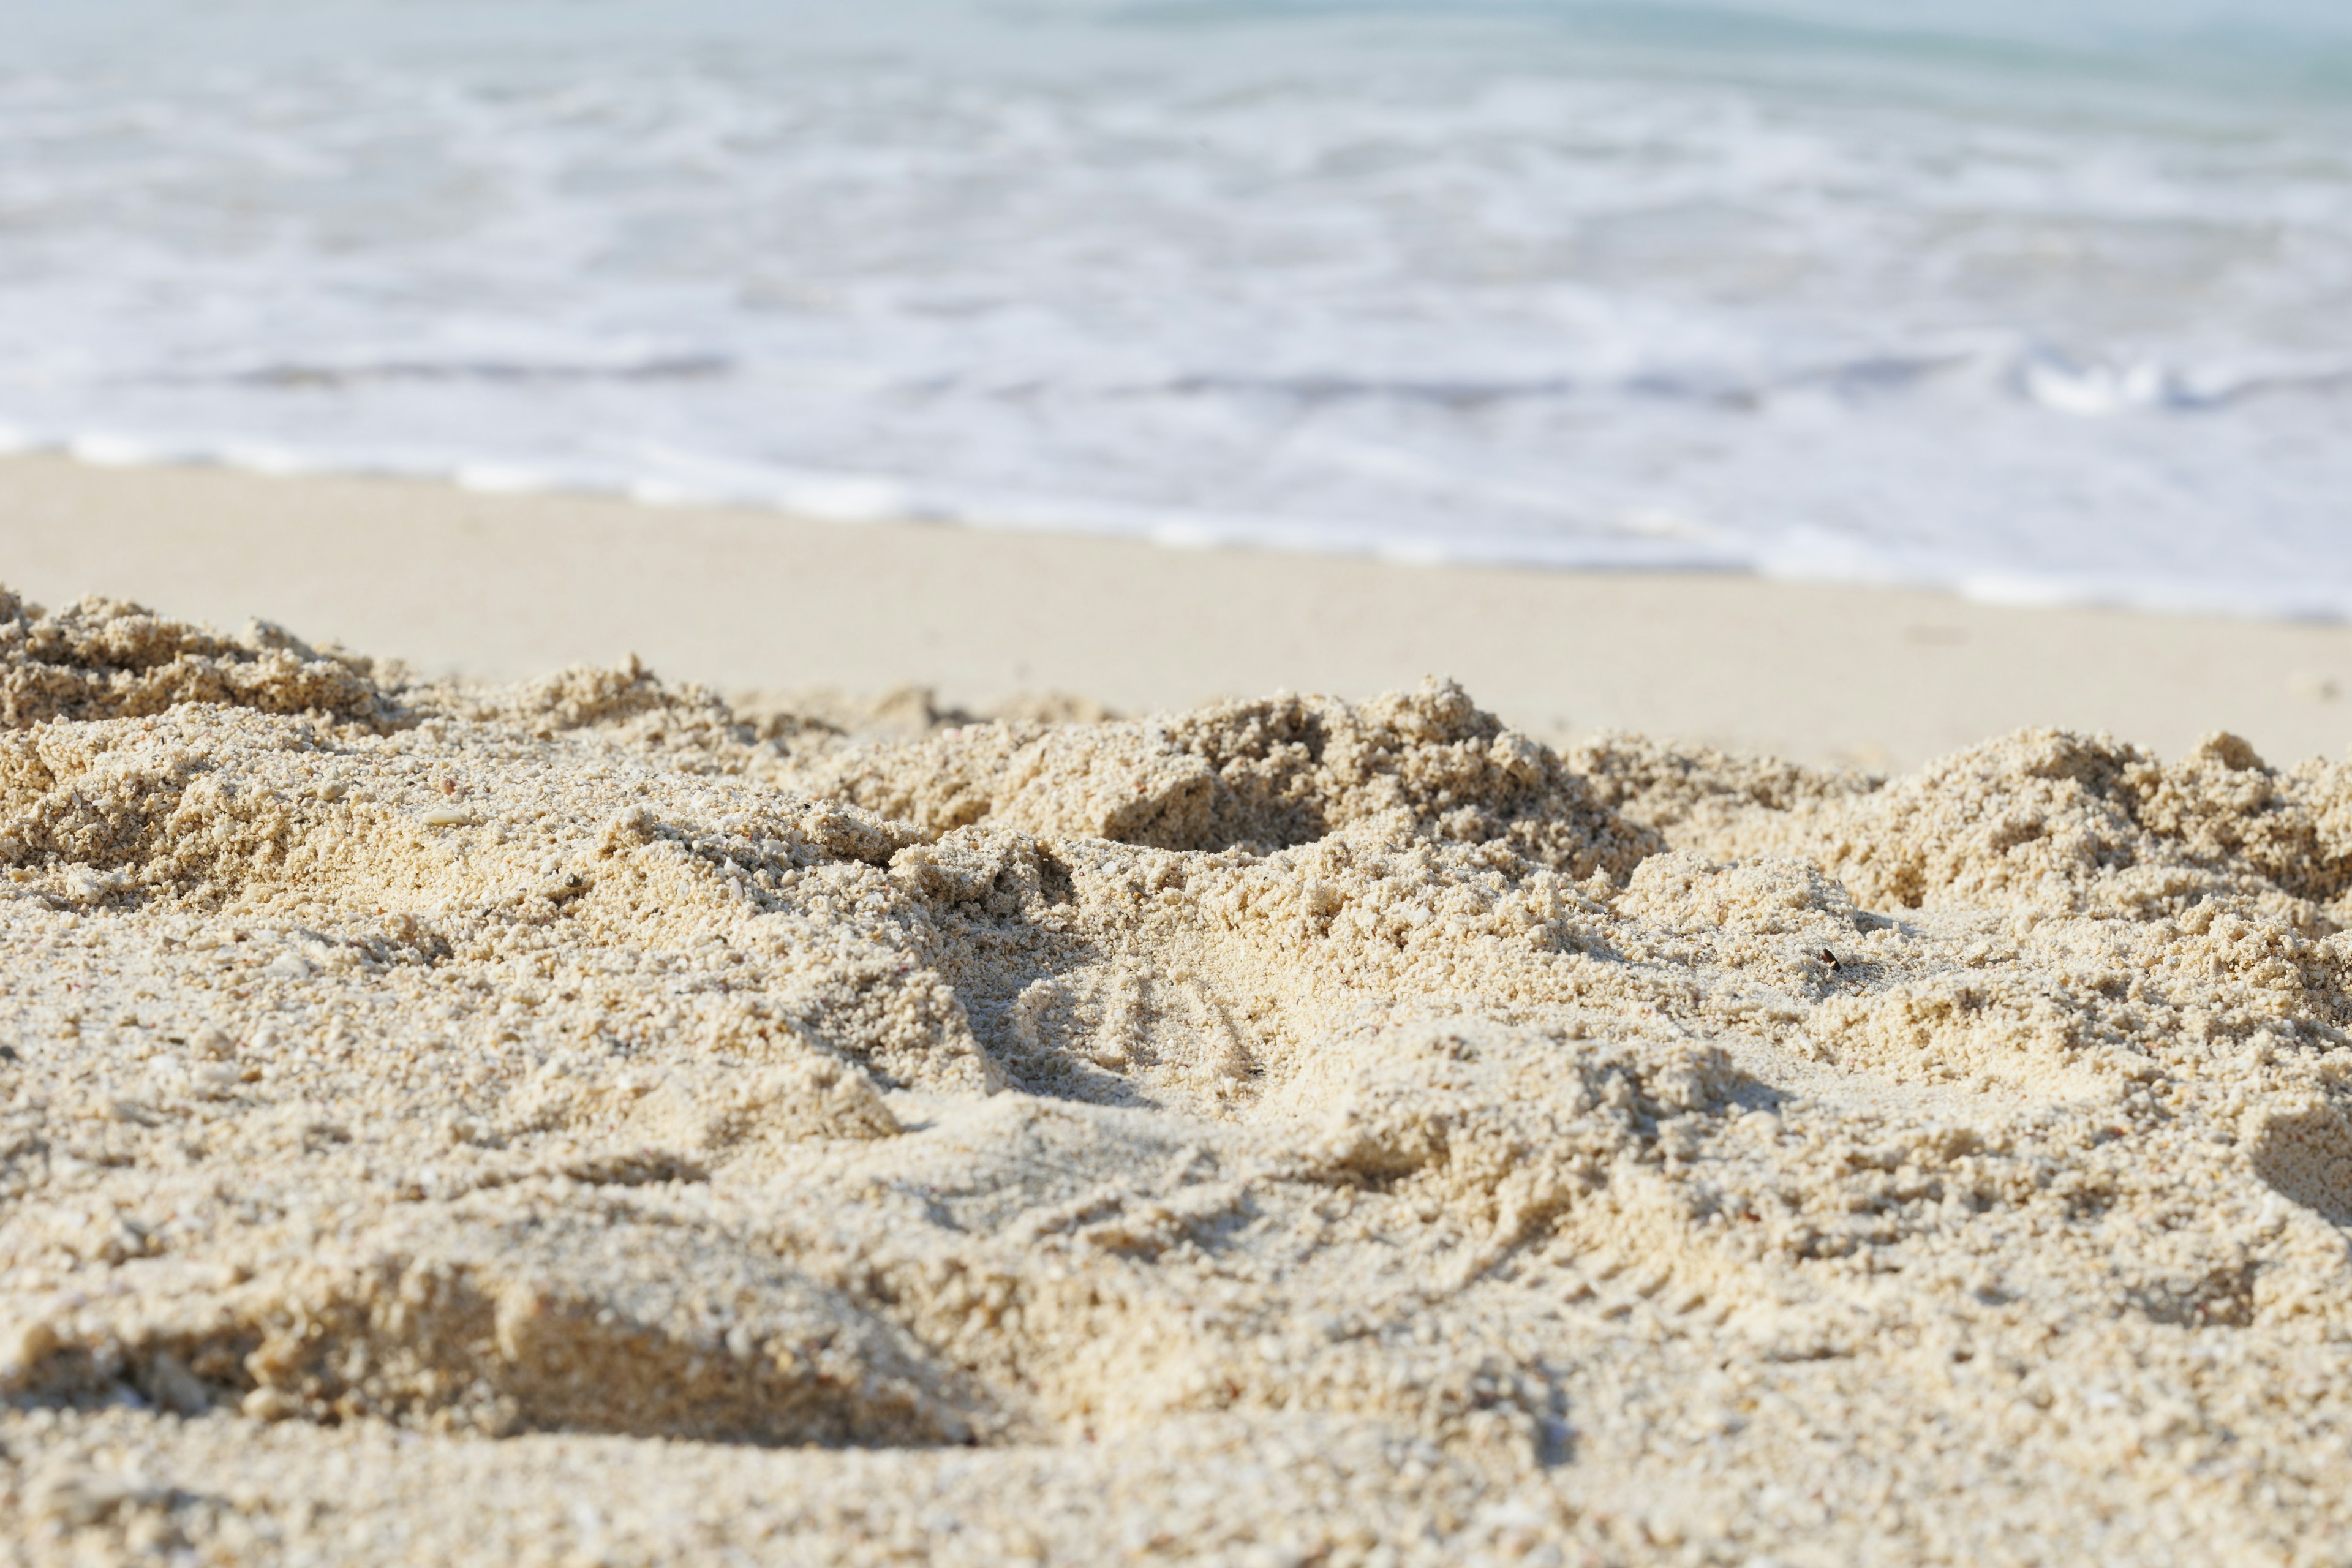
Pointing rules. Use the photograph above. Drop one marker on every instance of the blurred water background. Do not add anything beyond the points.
(2042, 301)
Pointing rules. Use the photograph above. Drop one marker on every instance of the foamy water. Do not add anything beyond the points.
(2056, 308)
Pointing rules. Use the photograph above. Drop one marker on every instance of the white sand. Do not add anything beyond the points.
(579, 1123)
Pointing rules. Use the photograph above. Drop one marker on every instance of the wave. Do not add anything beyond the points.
(1732, 288)
(680, 367)
(2036, 374)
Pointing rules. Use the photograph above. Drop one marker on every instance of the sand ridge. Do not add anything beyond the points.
(586, 1120)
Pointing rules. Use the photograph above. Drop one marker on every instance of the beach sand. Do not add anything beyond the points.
(563, 1115)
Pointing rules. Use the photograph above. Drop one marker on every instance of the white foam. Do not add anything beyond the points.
(277, 461)
(506, 480)
(1489, 298)
(1187, 536)
(2029, 592)
(848, 500)
(110, 451)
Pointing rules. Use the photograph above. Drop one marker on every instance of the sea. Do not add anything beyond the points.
(2040, 302)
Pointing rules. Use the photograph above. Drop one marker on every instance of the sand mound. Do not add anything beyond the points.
(1325, 1132)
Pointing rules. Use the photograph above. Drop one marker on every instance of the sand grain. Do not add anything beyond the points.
(452, 1122)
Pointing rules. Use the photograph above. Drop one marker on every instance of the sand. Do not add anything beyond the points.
(507, 587)
(582, 1121)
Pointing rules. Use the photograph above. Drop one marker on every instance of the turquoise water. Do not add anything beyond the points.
(2043, 302)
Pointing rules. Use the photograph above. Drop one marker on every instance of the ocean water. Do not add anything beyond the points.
(2044, 302)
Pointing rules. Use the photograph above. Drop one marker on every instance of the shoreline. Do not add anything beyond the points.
(506, 586)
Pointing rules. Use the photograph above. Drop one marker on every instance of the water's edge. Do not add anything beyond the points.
(863, 500)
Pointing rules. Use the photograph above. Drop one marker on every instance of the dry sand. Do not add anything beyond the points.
(581, 1121)
(509, 588)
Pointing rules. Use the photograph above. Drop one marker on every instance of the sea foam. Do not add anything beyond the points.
(2066, 314)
